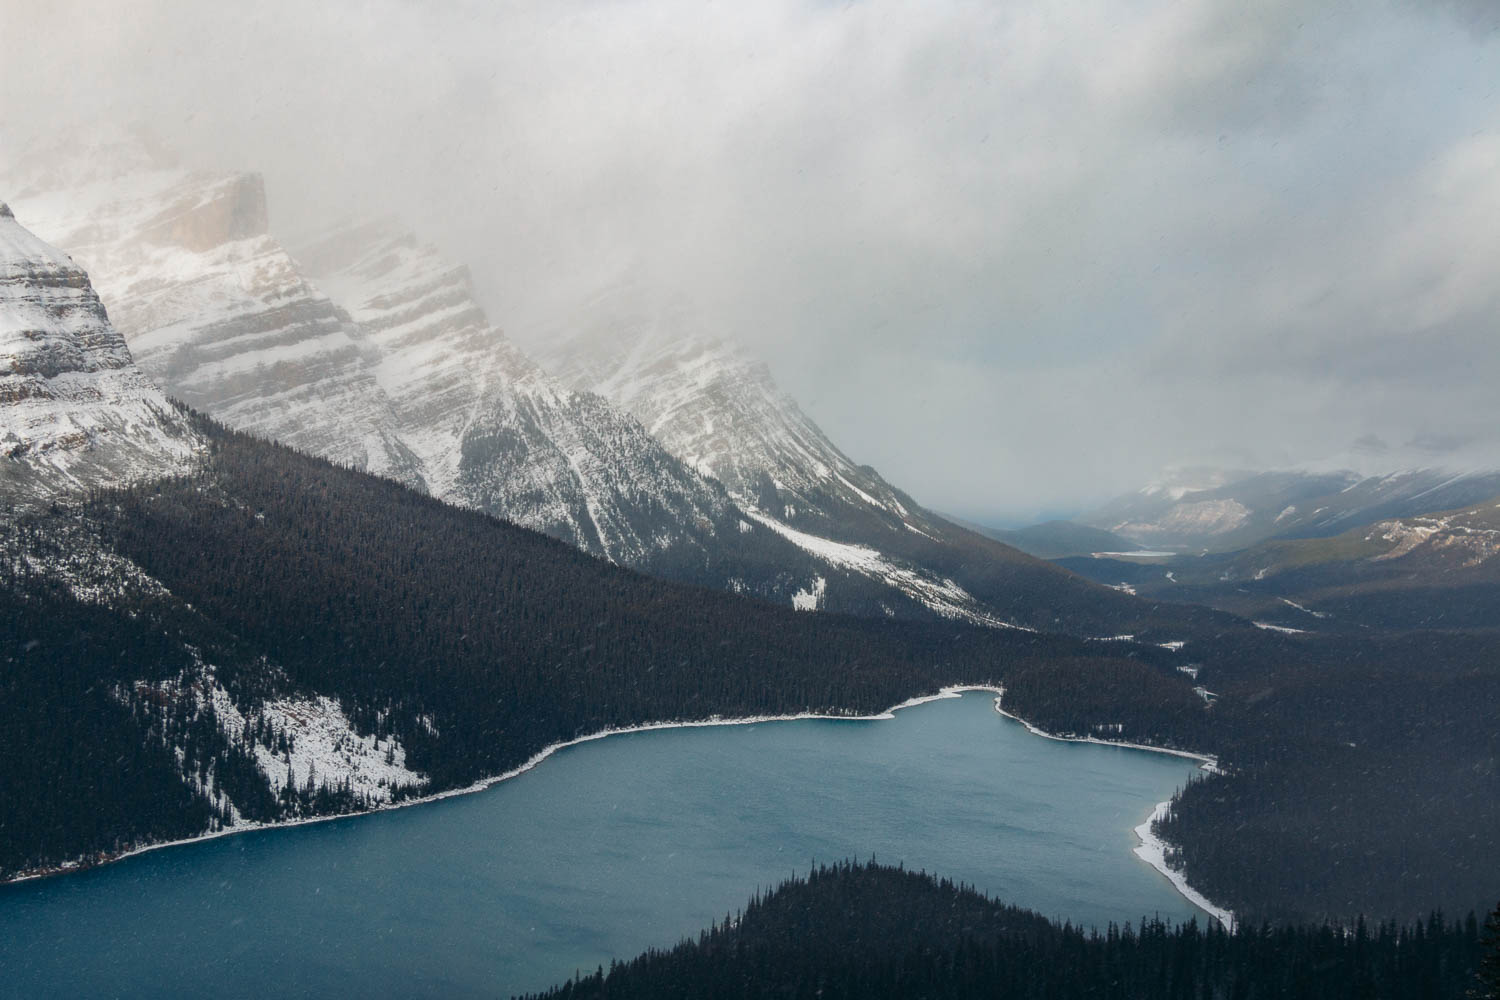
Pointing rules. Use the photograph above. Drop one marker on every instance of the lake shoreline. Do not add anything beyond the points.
(951, 691)
(1151, 849)
(107, 858)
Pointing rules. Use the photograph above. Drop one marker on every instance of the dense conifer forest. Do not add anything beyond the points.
(872, 931)
(472, 642)
(1362, 776)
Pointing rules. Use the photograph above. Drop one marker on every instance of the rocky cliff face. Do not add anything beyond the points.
(214, 308)
(491, 429)
(719, 410)
(368, 348)
(75, 411)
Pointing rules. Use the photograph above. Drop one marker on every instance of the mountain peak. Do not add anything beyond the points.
(230, 208)
(75, 411)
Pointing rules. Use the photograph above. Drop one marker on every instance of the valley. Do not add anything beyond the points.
(430, 571)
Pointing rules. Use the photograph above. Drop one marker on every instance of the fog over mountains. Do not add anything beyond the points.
(368, 348)
(645, 435)
(394, 394)
(967, 239)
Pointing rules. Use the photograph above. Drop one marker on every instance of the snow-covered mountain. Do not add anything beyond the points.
(1224, 511)
(416, 385)
(494, 432)
(215, 310)
(75, 411)
(490, 429)
(410, 381)
(368, 348)
(718, 409)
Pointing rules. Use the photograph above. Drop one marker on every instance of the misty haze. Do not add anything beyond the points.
(1017, 486)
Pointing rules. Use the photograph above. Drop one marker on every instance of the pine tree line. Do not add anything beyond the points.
(871, 931)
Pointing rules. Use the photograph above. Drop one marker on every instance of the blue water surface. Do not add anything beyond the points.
(604, 850)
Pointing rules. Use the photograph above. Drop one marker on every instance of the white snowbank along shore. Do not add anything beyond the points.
(1153, 851)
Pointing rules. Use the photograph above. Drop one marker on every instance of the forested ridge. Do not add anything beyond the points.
(873, 931)
(410, 608)
(470, 642)
(1362, 776)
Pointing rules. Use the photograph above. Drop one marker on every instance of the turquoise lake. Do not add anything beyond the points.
(605, 849)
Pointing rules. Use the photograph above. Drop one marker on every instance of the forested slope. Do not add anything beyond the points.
(276, 637)
(1364, 776)
(215, 627)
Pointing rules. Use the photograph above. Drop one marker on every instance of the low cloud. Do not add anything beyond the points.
(1017, 256)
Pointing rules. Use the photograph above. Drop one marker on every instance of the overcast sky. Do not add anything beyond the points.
(1017, 255)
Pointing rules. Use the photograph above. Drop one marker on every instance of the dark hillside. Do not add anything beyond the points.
(869, 931)
(473, 644)
(468, 641)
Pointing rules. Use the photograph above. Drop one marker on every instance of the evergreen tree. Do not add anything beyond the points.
(1489, 963)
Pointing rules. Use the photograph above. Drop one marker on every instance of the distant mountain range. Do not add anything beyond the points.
(1220, 511)
(1438, 569)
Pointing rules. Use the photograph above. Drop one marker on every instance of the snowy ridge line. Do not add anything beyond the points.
(1152, 849)
(952, 691)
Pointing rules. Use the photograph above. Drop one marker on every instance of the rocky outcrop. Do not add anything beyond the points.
(491, 429)
(75, 411)
(214, 308)
(234, 209)
(718, 409)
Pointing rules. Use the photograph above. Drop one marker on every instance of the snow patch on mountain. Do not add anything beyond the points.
(942, 595)
(1472, 536)
(327, 752)
(1304, 609)
(811, 599)
(70, 554)
(312, 743)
